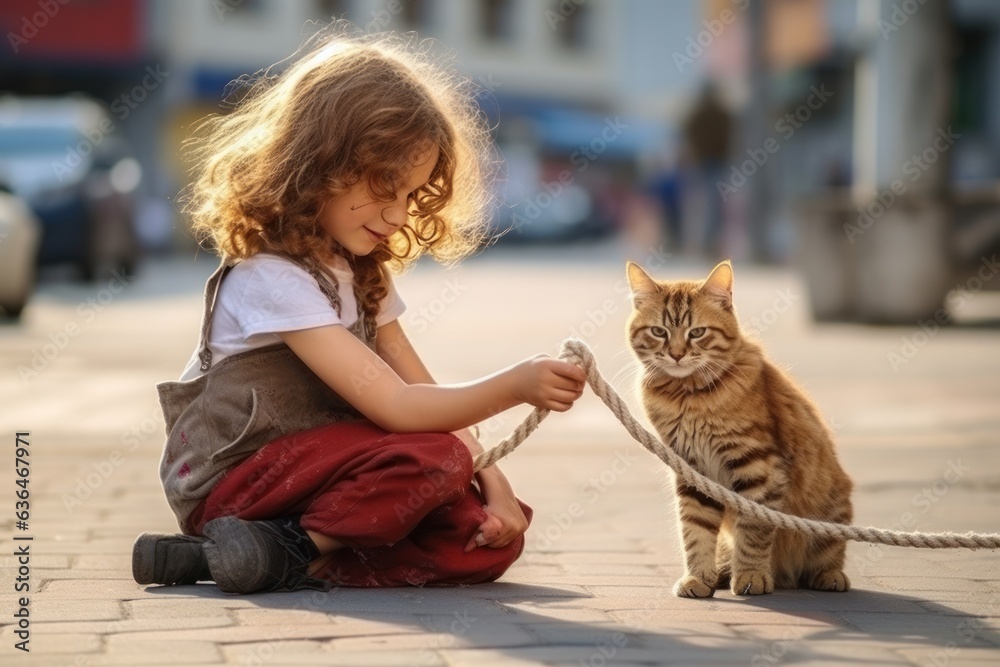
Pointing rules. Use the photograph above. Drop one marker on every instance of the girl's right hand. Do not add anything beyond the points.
(549, 383)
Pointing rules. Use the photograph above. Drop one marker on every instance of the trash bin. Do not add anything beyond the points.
(884, 261)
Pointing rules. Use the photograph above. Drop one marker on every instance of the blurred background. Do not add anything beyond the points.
(843, 152)
(854, 139)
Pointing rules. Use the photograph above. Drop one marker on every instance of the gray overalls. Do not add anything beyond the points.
(218, 419)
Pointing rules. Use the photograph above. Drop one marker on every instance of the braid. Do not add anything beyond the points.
(332, 288)
(370, 285)
(370, 288)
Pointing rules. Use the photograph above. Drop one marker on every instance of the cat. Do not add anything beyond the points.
(716, 400)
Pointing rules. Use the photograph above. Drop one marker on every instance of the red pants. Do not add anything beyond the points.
(403, 503)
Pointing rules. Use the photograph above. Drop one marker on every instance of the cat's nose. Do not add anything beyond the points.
(677, 357)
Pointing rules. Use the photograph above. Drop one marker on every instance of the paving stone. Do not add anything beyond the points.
(661, 618)
(961, 604)
(285, 616)
(479, 634)
(528, 611)
(47, 609)
(788, 631)
(609, 558)
(46, 574)
(135, 649)
(292, 630)
(132, 625)
(353, 602)
(71, 643)
(296, 654)
(904, 584)
(675, 652)
(182, 608)
(600, 579)
(8, 563)
(613, 569)
(795, 601)
(271, 652)
(512, 589)
(53, 660)
(93, 589)
(829, 652)
(953, 656)
(925, 627)
(122, 561)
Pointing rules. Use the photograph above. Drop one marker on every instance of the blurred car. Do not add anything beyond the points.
(534, 208)
(541, 217)
(19, 236)
(65, 159)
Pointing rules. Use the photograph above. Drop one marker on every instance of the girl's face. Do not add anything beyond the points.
(359, 223)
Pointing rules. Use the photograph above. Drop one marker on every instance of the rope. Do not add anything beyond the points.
(576, 351)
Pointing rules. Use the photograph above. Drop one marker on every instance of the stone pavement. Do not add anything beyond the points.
(593, 587)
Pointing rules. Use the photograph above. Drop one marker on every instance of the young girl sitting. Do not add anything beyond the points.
(307, 444)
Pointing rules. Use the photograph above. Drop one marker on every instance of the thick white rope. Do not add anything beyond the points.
(577, 352)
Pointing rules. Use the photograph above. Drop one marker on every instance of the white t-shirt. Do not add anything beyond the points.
(266, 294)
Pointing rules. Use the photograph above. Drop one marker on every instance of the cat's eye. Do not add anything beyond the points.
(697, 332)
(659, 332)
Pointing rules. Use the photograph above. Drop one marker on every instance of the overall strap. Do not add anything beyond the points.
(324, 280)
(211, 293)
(328, 287)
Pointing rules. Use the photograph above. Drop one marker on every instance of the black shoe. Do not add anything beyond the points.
(159, 558)
(258, 556)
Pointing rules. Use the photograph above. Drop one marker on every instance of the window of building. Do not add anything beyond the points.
(496, 20)
(328, 9)
(571, 22)
(249, 8)
(415, 14)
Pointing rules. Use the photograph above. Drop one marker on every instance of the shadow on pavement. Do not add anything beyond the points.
(492, 618)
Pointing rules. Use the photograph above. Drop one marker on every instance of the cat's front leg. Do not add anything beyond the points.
(700, 517)
(753, 571)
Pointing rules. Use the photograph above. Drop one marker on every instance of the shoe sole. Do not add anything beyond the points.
(144, 556)
(228, 562)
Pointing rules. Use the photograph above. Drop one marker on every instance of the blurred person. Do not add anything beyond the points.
(707, 133)
(663, 186)
(307, 444)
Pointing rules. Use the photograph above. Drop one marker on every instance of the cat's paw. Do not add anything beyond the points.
(752, 582)
(831, 580)
(690, 586)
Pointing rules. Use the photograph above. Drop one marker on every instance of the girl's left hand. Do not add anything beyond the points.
(505, 520)
(504, 523)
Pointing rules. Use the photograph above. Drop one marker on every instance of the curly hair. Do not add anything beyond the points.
(346, 106)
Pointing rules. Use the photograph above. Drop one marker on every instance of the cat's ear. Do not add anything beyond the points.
(719, 284)
(639, 282)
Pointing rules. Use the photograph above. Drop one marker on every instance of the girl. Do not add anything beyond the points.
(307, 444)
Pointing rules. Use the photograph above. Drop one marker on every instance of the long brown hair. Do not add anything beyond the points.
(348, 106)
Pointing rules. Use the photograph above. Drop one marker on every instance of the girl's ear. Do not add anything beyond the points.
(639, 282)
(719, 284)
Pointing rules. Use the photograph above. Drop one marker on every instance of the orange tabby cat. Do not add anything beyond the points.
(717, 401)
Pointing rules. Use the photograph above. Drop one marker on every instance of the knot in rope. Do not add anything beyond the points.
(576, 352)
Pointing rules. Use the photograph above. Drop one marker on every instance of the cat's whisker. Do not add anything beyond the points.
(720, 368)
(619, 353)
(625, 373)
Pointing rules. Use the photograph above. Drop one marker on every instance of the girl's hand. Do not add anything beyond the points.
(549, 383)
(505, 521)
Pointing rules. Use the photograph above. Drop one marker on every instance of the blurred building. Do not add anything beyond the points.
(555, 73)
(594, 54)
